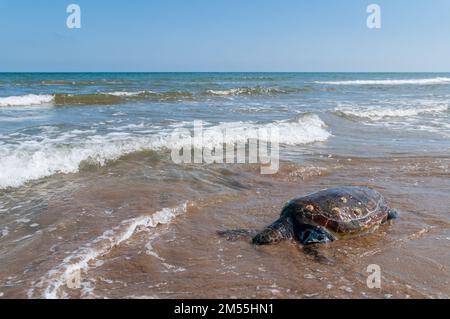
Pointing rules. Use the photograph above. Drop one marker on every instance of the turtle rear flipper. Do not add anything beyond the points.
(237, 234)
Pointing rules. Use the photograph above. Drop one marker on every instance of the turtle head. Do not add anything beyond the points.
(281, 230)
(392, 214)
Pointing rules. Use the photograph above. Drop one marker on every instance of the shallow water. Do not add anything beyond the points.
(90, 196)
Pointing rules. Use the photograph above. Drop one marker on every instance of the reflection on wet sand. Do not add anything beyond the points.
(132, 235)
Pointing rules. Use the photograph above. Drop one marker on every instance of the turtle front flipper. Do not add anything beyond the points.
(237, 234)
(280, 230)
(309, 234)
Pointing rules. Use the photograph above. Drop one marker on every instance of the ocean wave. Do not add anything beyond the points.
(35, 159)
(254, 78)
(379, 113)
(305, 129)
(250, 91)
(167, 96)
(117, 97)
(101, 98)
(26, 100)
(62, 82)
(86, 99)
(128, 94)
(60, 99)
(32, 160)
(428, 81)
(78, 263)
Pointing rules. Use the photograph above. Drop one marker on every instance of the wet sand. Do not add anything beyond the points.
(131, 233)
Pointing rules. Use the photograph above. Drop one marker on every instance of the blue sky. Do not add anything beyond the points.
(225, 35)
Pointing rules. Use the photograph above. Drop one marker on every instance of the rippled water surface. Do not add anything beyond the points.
(89, 193)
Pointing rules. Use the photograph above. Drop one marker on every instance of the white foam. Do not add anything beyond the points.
(304, 130)
(23, 221)
(127, 94)
(307, 129)
(42, 157)
(151, 252)
(247, 91)
(378, 113)
(226, 92)
(426, 116)
(128, 127)
(79, 262)
(26, 100)
(429, 81)
(43, 99)
(35, 159)
(4, 232)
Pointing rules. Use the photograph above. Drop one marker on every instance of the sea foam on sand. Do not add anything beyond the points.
(77, 264)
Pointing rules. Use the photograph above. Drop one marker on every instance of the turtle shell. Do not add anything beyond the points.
(342, 211)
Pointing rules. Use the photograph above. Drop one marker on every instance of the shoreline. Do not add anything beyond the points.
(90, 192)
(188, 248)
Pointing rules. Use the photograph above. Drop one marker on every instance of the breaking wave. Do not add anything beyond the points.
(378, 113)
(117, 97)
(430, 81)
(305, 129)
(258, 90)
(26, 100)
(86, 99)
(107, 98)
(62, 82)
(41, 157)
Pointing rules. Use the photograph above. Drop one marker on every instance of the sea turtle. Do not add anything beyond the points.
(325, 216)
